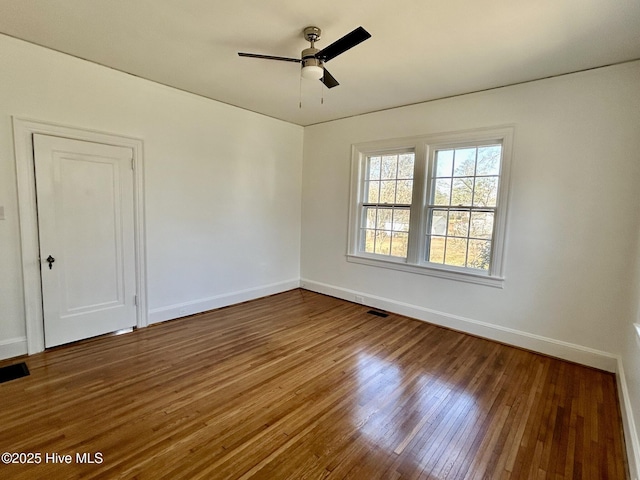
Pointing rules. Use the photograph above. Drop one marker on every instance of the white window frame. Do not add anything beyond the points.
(425, 148)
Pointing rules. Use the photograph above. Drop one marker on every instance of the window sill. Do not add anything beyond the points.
(460, 276)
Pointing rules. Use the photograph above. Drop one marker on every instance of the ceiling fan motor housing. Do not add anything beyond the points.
(309, 58)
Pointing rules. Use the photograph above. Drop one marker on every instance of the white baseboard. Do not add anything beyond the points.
(13, 347)
(632, 440)
(537, 343)
(210, 303)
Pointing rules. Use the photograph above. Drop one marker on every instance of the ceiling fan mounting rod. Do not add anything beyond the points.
(312, 35)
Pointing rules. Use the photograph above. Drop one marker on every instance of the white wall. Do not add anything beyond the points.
(572, 228)
(222, 184)
(630, 364)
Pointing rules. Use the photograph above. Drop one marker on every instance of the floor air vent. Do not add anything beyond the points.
(378, 314)
(12, 372)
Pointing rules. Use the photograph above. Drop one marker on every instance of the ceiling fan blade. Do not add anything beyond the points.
(269, 57)
(343, 44)
(328, 80)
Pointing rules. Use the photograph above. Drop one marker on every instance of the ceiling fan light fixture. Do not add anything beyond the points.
(312, 72)
(311, 66)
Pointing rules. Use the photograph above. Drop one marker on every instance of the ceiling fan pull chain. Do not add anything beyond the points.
(300, 94)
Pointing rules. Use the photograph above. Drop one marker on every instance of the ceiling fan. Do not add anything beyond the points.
(312, 60)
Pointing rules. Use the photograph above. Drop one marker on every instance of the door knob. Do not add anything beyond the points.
(50, 259)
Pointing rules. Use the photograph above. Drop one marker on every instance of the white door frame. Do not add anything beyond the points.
(23, 130)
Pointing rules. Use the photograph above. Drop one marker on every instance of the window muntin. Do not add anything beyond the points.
(462, 206)
(386, 206)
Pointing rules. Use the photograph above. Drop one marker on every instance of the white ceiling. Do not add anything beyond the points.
(420, 49)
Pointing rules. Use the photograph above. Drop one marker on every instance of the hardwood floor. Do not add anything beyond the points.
(304, 386)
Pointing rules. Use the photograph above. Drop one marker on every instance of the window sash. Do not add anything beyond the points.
(470, 236)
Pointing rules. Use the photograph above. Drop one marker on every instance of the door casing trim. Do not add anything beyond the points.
(23, 130)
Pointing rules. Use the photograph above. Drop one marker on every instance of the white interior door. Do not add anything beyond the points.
(87, 247)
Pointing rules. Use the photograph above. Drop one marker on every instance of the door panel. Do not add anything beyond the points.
(84, 290)
(85, 218)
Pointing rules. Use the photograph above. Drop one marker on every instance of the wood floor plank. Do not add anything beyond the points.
(303, 386)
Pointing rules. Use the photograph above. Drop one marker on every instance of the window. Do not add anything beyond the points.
(434, 205)
(462, 205)
(388, 186)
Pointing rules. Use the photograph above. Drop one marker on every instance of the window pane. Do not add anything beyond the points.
(442, 191)
(486, 192)
(370, 217)
(462, 191)
(458, 224)
(388, 191)
(401, 220)
(436, 249)
(489, 160)
(444, 163)
(385, 216)
(383, 242)
(373, 190)
(399, 242)
(439, 222)
(481, 225)
(479, 254)
(374, 168)
(389, 167)
(456, 252)
(404, 191)
(369, 240)
(405, 165)
(464, 164)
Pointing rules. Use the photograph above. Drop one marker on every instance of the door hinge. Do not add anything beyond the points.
(135, 300)
(133, 164)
